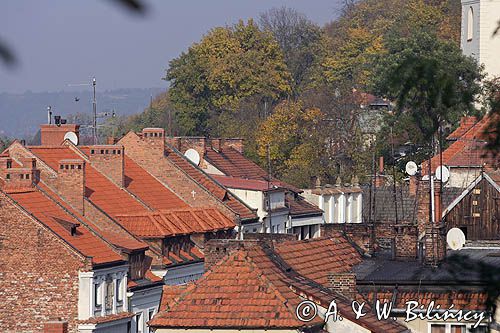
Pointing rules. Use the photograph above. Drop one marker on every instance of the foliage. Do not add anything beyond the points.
(429, 79)
(300, 40)
(492, 88)
(228, 65)
(292, 136)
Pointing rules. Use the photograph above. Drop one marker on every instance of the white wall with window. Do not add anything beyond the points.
(340, 207)
(144, 304)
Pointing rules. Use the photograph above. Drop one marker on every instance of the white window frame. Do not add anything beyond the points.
(448, 325)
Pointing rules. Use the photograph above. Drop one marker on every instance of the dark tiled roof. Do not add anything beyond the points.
(466, 299)
(299, 206)
(466, 265)
(385, 207)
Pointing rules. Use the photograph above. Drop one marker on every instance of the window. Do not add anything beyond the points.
(110, 294)
(470, 24)
(7, 176)
(97, 295)
(458, 329)
(438, 328)
(119, 289)
(151, 314)
(9, 164)
(138, 323)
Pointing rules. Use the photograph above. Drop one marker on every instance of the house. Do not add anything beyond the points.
(102, 184)
(280, 206)
(476, 211)
(467, 154)
(260, 284)
(60, 270)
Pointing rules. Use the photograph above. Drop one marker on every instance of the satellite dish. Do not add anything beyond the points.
(411, 168)
(455, 239)
(442, 173)
(193, 156)
(71, 136)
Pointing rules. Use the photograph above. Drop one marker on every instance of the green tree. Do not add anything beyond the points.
(430, 80)
(227, 66)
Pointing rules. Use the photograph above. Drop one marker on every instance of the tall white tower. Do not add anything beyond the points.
(480, 18)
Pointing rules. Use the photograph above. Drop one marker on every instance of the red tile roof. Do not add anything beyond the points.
(256, 287)
(234, 294)
(313, 258)
(99, 189)
(245, 212)
(466, 124)
(119, 239)
(142, 184)
(232, 163)
(59, 221)
(245, 184)
(174, 223)
(149, 189)
(468, 150)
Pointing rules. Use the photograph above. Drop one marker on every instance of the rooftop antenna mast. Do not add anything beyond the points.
(94, 115)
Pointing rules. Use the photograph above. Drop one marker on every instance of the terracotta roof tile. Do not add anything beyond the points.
(59, 221)
(246, 184)
(232, 163)
(245, 212)
(466, 124)
(175, 222)
(100, 190)
(468, 149)
(313, 258)
(121, 240)
(235, 293)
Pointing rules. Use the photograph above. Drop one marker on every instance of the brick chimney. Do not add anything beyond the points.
(434, 238)
(235, 143)
(405, 242)
(53, 135)
(19, 178)
(434, 245)
(198, 143)
(413, 185)
(155, 137)
(55, 326)
(109, 160)
(380, 177)
(217, 144)
(70, 182)
(343, 283)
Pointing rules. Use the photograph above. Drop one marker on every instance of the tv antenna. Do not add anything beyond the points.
(94, 106)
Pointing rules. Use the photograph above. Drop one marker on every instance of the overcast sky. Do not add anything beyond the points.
(61, 42)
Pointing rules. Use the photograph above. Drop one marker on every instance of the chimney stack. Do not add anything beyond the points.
(70, 183)
(235, 143)
(109, 160)
(155, 137)
(53, 135)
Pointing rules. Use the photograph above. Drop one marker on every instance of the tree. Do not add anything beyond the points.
(430, 79)
(294, 141)
(301, 42)
(227, 66)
